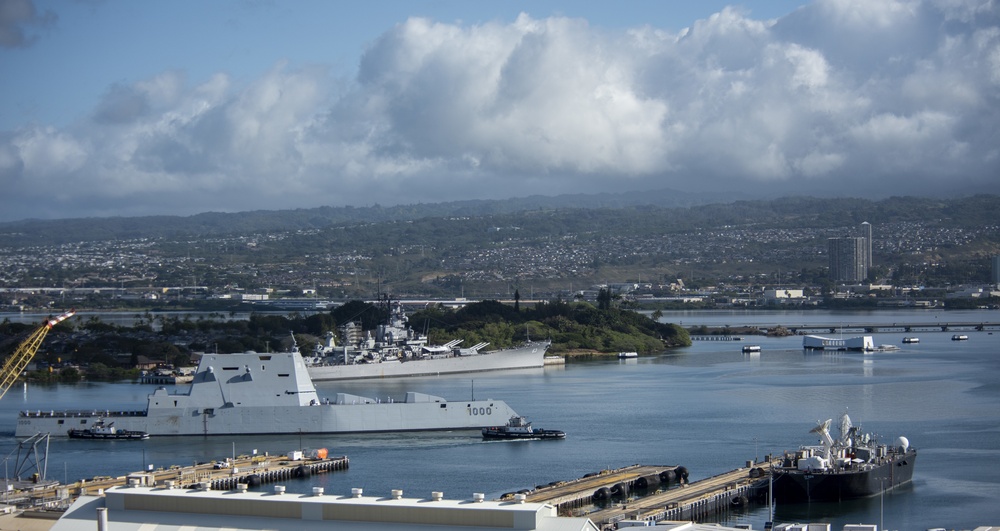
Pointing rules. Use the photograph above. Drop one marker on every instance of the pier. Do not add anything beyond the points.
(231, 474)
(681, 501)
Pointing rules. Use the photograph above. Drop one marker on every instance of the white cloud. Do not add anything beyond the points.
(840, 93)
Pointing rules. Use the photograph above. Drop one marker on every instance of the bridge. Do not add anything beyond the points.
(872, 328)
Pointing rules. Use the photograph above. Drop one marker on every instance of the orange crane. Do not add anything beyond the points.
(19, 360)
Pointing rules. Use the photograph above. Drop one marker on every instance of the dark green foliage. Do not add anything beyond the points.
(604, 299)
(569, 326)
(368, 315)
(99, 372)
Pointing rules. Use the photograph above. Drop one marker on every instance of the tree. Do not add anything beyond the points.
(604, 299)
(517, 300)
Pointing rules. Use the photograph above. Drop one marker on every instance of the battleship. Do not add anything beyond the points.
(854, 466)
(253, 393)
(396, 351)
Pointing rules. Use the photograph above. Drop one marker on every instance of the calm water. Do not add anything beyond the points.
(707, 407)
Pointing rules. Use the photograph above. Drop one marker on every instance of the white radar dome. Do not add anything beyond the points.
(903, 443)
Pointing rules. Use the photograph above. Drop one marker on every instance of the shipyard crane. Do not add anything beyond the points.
(19, 360)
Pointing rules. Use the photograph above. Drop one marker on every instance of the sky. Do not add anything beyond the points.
(128, 108)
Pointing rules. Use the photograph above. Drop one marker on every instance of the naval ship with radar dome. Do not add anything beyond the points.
(854, 465)
(254, 393)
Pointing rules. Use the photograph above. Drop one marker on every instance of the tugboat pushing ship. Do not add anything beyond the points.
(518, 427)
(855, 465)
(106, 430)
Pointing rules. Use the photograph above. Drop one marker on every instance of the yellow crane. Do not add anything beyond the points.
(19, 360)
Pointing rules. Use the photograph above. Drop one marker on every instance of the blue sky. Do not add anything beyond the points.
(130, 108)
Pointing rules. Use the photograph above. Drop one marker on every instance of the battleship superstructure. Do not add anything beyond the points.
(396, 350)
(853, 466)
(253, 393)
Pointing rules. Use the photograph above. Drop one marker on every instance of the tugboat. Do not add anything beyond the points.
(518, 427)
(101, 430)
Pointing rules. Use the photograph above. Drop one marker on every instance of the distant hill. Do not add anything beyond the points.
(48, 232)
(661, 208)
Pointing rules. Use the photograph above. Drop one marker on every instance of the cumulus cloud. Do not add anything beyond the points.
(859, 97)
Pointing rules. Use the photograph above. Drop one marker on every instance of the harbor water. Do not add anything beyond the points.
(708, 407)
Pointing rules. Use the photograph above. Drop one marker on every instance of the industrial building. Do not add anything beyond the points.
(136, 508)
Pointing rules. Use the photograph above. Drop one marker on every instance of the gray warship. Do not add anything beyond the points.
(853, 466)
(396, 351)
(254, 393)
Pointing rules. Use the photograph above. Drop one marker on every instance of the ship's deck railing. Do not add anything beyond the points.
(891, 457)
(80, 413)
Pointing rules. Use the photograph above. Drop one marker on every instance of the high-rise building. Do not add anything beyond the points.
(847, 259)
(996, 270)
(866, 233)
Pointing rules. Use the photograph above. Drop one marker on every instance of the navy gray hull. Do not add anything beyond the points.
(855, 465)
(242, 394)
(798, 487)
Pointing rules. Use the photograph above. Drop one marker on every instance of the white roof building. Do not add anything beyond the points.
(160, 508)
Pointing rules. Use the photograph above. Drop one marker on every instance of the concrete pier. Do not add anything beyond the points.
(681, 501)
(241, 473)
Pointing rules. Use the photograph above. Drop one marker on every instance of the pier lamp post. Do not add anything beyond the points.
(881, 502)
(881, 498)
(755, 453)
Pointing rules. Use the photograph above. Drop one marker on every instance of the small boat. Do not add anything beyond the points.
(626, 355)
(747, 349)
(101, 430)
(911, 340)
(518, 427)
(959, 337)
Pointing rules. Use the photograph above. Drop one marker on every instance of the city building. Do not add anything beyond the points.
(866, 233)
(995, 277)
(847, 259)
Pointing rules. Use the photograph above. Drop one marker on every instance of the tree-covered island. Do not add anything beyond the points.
(87, 348)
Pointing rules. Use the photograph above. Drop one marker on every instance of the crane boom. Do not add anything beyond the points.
(19, 360)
